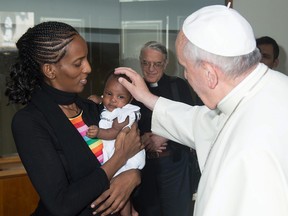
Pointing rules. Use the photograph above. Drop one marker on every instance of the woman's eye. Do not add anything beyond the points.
(77, 64)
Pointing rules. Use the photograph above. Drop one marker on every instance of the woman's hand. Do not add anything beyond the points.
(131, 145)
(119, 126)
(121, 187)
(127, 144)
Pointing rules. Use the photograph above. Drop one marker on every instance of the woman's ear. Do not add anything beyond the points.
(48, 71)
(211, 75)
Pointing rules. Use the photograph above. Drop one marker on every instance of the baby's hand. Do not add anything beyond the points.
(92, 131)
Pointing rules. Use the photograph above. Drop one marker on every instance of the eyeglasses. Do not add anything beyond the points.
(156, 65)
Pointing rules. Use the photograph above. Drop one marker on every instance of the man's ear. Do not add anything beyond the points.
(275, 63)
(211, 75)
(48, 71)
(165, 65)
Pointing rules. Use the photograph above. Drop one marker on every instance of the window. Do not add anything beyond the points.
(115, 30)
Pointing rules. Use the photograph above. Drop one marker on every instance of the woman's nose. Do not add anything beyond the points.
(87, 67)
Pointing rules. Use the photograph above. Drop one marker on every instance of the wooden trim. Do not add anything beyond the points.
(11, 166)
(10, 159)
(17, 194)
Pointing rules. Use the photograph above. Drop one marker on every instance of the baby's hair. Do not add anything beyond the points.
(112, 75)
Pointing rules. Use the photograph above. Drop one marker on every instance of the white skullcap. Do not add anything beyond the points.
(220, 30)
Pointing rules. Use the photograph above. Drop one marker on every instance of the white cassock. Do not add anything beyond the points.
(242, 146)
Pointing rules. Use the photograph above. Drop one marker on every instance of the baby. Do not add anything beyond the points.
(116, 101)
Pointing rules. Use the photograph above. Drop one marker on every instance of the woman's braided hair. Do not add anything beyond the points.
(44, 43)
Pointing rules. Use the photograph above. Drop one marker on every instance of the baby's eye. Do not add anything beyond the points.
(107, 93)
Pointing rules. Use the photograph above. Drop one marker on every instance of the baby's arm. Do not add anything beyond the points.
(106, 134)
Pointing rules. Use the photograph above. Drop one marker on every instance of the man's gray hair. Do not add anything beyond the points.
(231, 66)
(155, 46)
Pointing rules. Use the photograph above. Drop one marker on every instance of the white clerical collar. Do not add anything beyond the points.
(153, 85)
(228, 103)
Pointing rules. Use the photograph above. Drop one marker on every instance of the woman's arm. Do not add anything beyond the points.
(35, 141)
(122, 185)
(42, 160)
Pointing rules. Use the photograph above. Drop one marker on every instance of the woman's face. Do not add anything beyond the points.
(72, 70)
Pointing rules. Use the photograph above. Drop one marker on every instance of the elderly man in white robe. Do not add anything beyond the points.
(241, 134)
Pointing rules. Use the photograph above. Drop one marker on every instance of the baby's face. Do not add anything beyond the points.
(115, 95)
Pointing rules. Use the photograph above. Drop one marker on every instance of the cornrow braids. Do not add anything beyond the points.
(44, 43)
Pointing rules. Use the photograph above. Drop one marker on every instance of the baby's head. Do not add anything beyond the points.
(115, 95)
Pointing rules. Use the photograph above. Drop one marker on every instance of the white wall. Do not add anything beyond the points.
(268, 18)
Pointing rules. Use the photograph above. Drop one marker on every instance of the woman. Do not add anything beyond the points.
(50, 71)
